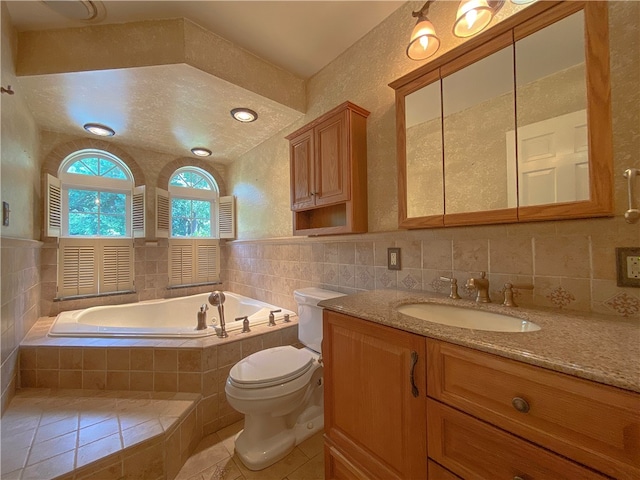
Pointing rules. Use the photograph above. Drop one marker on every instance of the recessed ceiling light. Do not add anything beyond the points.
(244, 115)
(98, 129)
(201, 152)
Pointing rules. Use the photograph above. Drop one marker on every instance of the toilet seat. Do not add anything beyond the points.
(270, 367)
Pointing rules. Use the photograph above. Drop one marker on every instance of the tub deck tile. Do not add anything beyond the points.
(50, 433)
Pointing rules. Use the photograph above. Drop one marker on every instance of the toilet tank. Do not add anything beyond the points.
(310, 314)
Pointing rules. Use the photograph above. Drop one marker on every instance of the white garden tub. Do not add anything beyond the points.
(168, 318)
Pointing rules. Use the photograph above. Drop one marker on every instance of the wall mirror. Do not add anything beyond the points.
(513, 125)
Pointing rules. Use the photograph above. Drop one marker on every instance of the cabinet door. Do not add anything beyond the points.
(371, 414)
(302, 171)
(332, 160)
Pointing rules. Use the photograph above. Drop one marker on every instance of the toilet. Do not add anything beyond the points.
(280, 389)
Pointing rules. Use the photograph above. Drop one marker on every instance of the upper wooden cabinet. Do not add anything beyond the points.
(329, 173)
(513, 125)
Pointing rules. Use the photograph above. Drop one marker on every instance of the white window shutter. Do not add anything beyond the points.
(137, 211)
(227, 217)
(77, 267)
(207, 260)
(116, 270)
(53, 207)
(181, 257)
(163, 213)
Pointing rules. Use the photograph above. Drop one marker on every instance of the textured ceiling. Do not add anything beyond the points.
(172, 108)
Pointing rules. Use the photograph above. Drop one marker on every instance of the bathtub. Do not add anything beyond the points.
(165, 318)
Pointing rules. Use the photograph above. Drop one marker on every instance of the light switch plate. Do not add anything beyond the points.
(628, 266)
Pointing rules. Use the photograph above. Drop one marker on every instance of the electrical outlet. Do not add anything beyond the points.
(393, 258)
(628, 266)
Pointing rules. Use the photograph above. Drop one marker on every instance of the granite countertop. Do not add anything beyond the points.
(600, 348)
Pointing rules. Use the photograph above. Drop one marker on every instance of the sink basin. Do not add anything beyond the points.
(467, 318)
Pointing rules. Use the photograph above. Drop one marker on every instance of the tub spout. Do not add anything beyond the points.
(217, 300)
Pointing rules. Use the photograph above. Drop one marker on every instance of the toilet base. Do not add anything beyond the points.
(258, 455)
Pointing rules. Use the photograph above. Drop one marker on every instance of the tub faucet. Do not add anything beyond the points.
(272, 318)
(482, 288)
(217, 300)
(202, 317)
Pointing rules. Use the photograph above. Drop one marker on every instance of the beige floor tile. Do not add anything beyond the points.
(56, 446)
(208, 453)
(99, 430)
(50, 468)
(56, 429)
(311, 470)
(228, 435)
(313, 445)
(15, 461)
(224, 470)
(141, 432)
(99, 449)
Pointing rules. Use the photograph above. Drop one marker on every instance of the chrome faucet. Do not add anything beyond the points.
(202, 317)
(217, 300)
(272, 318)
(482, 287)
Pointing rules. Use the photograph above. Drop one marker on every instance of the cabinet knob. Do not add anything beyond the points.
(518, 477)
(521, 405)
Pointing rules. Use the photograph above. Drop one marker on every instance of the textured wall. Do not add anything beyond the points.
(571, 263)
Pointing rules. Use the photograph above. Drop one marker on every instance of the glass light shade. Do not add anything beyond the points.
(472, 17)
(244, 115)
(98, 129)
(424, 42)
(522, 2)
(201, 151)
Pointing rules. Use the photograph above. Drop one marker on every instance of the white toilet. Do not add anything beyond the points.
(280, 389)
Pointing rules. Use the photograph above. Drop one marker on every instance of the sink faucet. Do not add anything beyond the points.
(217, 300)
(482, 288)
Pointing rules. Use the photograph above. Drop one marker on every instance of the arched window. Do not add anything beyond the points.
(194, 195)
(95, 210)
(96, 195)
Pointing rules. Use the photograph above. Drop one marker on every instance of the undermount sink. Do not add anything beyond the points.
(467, 318)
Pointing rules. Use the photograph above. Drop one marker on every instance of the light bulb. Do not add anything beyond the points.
(471, 18)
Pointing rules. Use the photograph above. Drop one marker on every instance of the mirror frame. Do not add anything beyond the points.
(519, 25)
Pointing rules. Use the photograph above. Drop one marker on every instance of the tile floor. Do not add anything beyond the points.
(214, 459)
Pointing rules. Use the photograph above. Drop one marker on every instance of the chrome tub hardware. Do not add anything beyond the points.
(454, 287)
(245, 324)
(202, 317)
(482, 287)
(272, 318)
(286, 318)
(508, 293)
(217, 300)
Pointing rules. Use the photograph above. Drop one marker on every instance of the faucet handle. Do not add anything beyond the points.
(245, 323)
(508, 292)
(272, 318)
(454, 287)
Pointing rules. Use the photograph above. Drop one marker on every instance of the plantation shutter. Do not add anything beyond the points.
(163, 213)
(207, 260)
(226, 217)
(181, 258)
(77, 266)
(53, 207)
(137, 212)
(116, 272)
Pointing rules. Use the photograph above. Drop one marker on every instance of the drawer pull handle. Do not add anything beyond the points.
(414, 360)
(518, 477)
(521, 405)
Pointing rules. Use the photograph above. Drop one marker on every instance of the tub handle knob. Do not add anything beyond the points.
(286, 318)
(272, 318)
(245, 324)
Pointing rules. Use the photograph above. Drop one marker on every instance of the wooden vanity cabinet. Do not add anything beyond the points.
(471, 393)
(328, 165)
(374, 417)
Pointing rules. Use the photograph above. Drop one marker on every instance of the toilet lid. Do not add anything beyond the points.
(270, 367)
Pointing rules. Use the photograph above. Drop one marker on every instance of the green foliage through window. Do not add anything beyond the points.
(98, 213)
(98, 167)
(190, 179)
(190, 218)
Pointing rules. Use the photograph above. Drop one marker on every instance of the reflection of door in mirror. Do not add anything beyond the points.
(478, 111)
(551, 102)
(425, 194)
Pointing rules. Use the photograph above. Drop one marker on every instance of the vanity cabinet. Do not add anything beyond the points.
(558, 425)
(328, 164)
(476, 415)
(375, 412)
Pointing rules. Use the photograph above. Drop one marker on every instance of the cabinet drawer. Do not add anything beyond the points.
(596, 425)
(338, 467)
(475, 450)
(436, 472)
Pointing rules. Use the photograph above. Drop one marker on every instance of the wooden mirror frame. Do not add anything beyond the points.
(529, 20)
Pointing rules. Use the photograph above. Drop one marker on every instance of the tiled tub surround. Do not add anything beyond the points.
(604, 349)
(96, 434)
(199, 365)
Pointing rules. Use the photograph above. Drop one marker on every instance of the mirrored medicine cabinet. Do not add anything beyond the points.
(513, 125)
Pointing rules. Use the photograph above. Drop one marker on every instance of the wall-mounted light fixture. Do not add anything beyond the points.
(244, 115)
(201, 151)
(99, 129)
(471, 18)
